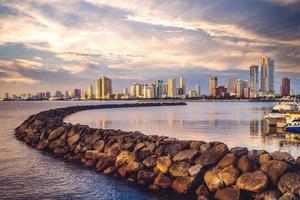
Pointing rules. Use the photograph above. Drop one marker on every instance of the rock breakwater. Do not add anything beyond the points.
(199, 169)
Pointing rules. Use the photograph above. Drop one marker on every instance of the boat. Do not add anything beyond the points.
(293, 128)
(279, 112)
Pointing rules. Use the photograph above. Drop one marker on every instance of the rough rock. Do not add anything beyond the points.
(185, 155)
(92, 154)
(196, 170)
(228, 193)
(196, 144)
(73, 139)
(42, 144)
(283, 156)
(264, 158)
(162, 181)
(288, 196)
(182, 184)
(252, 181)
(229, 175)
(104, 163)
(274, 169)
(163, 163)
(239, 151)
(204, 147)
(213, 180)
(110, 170)
(150, 161)
(212, 155)
(254, 154)
(290, 183)
(146, 177)
(56, 133)
(268, 195)
(179, 169)
(99, 145)
(227, 160)
(245, 164)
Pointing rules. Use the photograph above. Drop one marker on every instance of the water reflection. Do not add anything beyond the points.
(236, 124)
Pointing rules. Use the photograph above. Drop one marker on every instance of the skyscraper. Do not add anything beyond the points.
(285, 87)
(197, 90)
(253, 80)
(172, 87)
(267, 75)
(181, 86)
(148, 91)
(159, 84)
(103, 87)
(240, 85)
(213, 82)
(231, 87)
(90, 92)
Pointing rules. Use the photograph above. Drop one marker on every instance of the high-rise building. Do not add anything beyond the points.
(159, 87)
(48, 95)
(77, 93)
(267, 75)
(103, 87)
(197, 90)
(67, 94)
(58, 94)
(125, 91)
(181, 90)
(221, 90)
(253, 80)
(285, 87)
(240, 86)
(231, 87)
(90, 92)
(148, 91)
(172, 87)
(213, 82)
(83, 94)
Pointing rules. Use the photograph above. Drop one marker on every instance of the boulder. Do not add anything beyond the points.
(162, 181)
(268, 195)
(196, 144)
(264, 158)
(90, 163)
(124, 157)
(298, 162)
(254, 154)
(129, 168)
(146, 177)
(185, 155)
(150, 161)
(92, 154)
(196, 170)
(288, 196)
(163, 163)
(228, 193)
(179, 169)
(204, 147)
(99, 145)
(228, 160)
(283, 156)
(229, 175)
(245, 164)
(73, 139)
(139, 146)
(56, 133)
(274, 169)
(104, 163)
(202, 191)
(239, 151)
(213, 180)
(212, 155)
(290, 183)
(42, 144)
(182, 185)
(252, 181)
(113, 150)
(110, 170)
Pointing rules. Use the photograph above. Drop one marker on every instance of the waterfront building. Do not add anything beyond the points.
(192, 93)
(48, 95)
(90, 93)
(197, 90)
(132, 91)
(267, 75)
(181, 90)
(231, 86)
(67, 94)
(240, 85)
(77, 93)
(172, 88)
(285, 87)
(159, 88)
(247, 92)
(148, 91)
(213, 82)
(221, 90)
(125, 91)
(83, 95)
(253, 80)
(103, 88)
(6, 96)
(58, 94)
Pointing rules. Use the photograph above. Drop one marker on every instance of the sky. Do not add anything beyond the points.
(47, 45)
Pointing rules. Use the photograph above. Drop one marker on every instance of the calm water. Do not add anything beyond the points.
(234, 123)
(26, 173)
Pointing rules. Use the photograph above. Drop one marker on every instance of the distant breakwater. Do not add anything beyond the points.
(201, 170)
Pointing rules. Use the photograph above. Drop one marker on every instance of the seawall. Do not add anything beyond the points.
(198, 169)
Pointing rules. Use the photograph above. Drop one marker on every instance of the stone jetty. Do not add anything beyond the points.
(201, 170)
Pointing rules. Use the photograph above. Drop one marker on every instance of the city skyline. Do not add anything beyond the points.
(46, 45)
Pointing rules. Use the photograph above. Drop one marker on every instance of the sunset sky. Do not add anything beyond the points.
(50, 44)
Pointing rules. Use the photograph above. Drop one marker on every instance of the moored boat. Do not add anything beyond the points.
(294, 128)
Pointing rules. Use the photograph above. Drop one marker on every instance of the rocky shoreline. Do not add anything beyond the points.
(201, 170)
